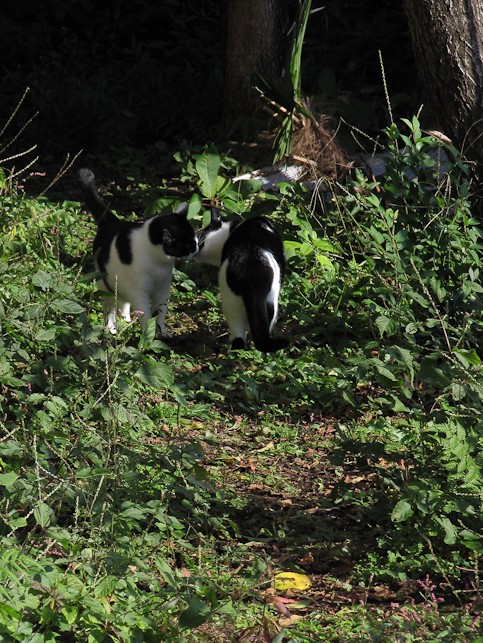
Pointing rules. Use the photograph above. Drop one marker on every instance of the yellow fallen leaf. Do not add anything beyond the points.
(270, 445)
(291, 620)
(291, 580)
(227, 459)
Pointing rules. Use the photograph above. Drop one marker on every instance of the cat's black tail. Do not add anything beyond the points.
(257, 314)
(96, 205)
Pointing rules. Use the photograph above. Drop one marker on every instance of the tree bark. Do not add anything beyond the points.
(447, 38)
(256, 42)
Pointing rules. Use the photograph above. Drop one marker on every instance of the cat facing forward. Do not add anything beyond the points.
(252, 262)
(136, 258)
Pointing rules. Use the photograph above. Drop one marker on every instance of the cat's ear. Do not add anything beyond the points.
(215, 215)
(182, 209)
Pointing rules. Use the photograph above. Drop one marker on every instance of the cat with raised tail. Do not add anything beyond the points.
(136, 258)
(252, 263)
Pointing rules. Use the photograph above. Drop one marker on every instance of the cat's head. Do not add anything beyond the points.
(175, 233)
(212, 239)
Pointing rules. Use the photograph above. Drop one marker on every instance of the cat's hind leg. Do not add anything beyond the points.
(235, 314)
(140, 306)
(110, 308)
(159, 306)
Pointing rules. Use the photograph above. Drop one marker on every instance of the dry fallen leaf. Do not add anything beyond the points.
(291, 620)
(270, 445)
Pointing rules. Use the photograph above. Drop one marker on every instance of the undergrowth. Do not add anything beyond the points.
(121, 516)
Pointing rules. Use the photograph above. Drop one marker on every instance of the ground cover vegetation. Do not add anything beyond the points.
(153, 491)
(156, 490)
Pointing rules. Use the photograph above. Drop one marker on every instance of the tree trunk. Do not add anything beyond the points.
(256, 42)
(447, 37)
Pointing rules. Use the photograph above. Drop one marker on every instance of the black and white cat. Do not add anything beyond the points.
(137, 258)
(252, 263)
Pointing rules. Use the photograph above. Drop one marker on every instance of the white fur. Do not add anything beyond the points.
(233, 307)
(274, 293)
(142, 286)
(214, 242)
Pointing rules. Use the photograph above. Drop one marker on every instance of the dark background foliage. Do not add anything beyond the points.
(108, 75)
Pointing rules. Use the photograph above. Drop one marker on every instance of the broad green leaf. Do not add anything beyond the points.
(291, 248)
(106, 586)
(133, 512)
(196, 614)
(429, 372)
(45, 335)
(194, 206)
(96, 636)
(324, 245)
(7, 479)
(458, 391)
(450, 533)
(43, 280)
(70, 613)
(386, 325)
(166, 572)
(325, 261)
(468, 357)
(408, 361)
(67, 306)
(221, 185)
(207, 166)
(9, 611)
(157, 375)
(383, 370)
(43, 514)
(402, 511)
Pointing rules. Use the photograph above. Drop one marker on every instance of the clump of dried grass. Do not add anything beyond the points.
(314, 145)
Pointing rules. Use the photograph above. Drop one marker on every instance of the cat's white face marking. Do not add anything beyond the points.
(211, 244)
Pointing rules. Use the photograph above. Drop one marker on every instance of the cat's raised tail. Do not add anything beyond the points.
(96, 205)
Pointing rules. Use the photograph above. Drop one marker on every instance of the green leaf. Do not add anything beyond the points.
(291, 248)
(325, 261)
(67, 306)
(96, 636)
(9, 611)
(383, 370)
(43, 514)
(194, 206)
(207, 166)
(156, 375)
(70, 613)
(458, 391)
(43, 280)
(45, 335)
(167, 573)
(450, 533)
(386, 325)
(408, 361)
(468, 357)
(402, 511)
(196, 614)
(430, 373)
(7, 479)
(133, 512)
